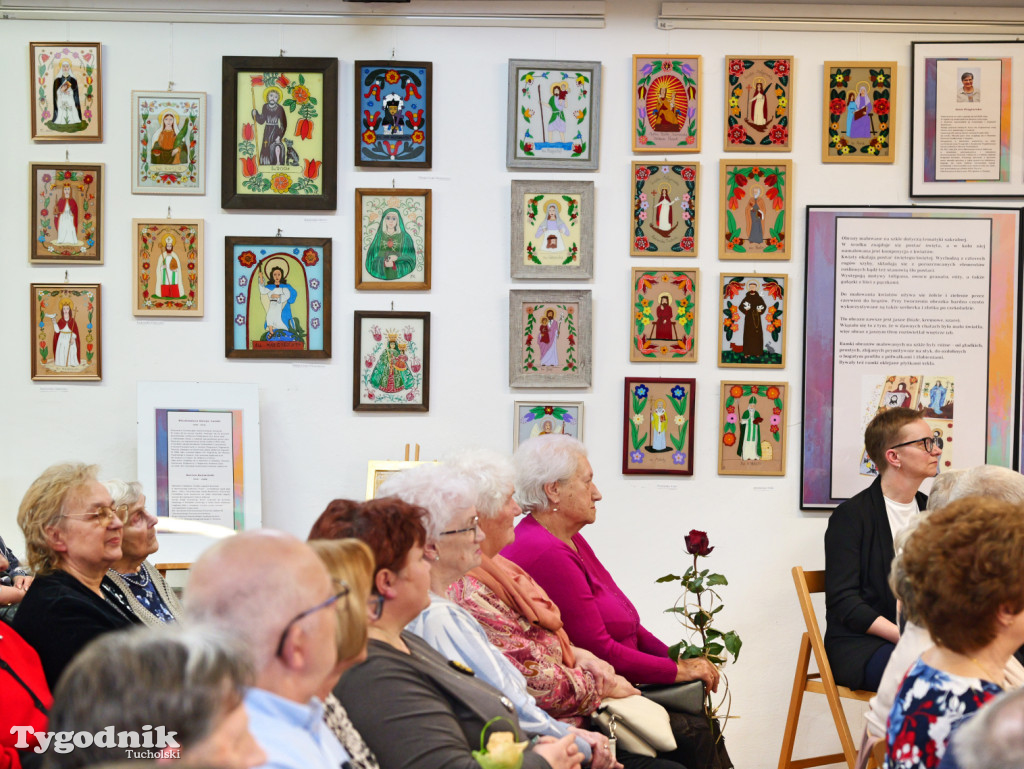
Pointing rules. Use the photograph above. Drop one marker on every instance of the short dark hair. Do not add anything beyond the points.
(966, 75)
(883, 431)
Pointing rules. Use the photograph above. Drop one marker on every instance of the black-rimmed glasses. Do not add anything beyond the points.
(926, 443)
(104, 516)
(474, 526)
(343, 590)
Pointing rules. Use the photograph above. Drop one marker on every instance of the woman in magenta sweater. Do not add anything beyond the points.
(555, 485)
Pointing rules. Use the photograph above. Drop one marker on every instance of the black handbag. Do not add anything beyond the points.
(687, 697)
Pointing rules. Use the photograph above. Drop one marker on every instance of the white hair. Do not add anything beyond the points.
(123, 492)
(541, 460)
(994, 738)
(442, 491)
(490, 472)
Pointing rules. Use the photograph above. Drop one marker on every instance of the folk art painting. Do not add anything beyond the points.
(553, 114)
(392, 239)
(533, 418)
(65, 337)
(66, 222)
(664, 323)
(549, 338)
(752, 428)
(169, 148)
(167, 267)
(859, 108)
(754, 322)
(391, 364)
(758, 103)
(277, 297)
(552, 229)
(658, 426)
(664, 209)
(754, 209)
(393, 112)
(66, 106)
(666, 102)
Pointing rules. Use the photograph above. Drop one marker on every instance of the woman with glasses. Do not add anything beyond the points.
(72, 535)
(415, 708)
(133, 579)
(860, 616)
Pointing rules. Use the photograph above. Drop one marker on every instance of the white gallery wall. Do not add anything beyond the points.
(314, 447)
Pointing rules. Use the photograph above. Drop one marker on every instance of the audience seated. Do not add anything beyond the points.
(965, 568)
(72, 536)
(993, 739)
(185, 682)
(289, 626)
(25, 699)
(140, 584)
(14, 581)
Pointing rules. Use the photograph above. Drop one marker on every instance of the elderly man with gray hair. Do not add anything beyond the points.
(290, 628)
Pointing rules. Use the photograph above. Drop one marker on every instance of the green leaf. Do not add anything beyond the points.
(692, 651)
(676, 610)
(715, 649)
(712, 633)
(717, 579)
(668, 578)
(733, 644)
(673, 651)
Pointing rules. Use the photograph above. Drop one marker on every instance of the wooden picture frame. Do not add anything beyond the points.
(666, 94)
(747, 186)
(393, 114)
(753, 311)
(859, 112)
(65, 82)
(391, 361)
(392, 228)
(64, 332)
(659, 228)
(740, 416)
(169, 144)
(537, 115)
(759, 95)
(533, 418)
(167, 267)
(942, 164)
(285, 316)
(66, 214)
(552, 229)
(565, 358)
(379, 470)
(663, 315)
(279, 150)
(658, 426)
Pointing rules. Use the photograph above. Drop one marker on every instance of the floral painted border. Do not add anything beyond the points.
(840, 147)
(644, 349)
(775, 394)
(680, 396)
(529, 364)
(411, 83)
(775, 177)
(641, 244)
(777, 138)
(146, 302)
(43, 336)
(687, 70)
(775, 287)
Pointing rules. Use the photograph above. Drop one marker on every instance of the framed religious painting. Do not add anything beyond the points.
(169, 143)
(279, 128)
(663, 326)
(379, 470)
(554, 110)
(66, 213)
(64, 329)
(657, 432)
(754, 322)
(549, 338)
(167, 267)
(393, 113)
(533, 418)
(552, 230)
(754, 209)
(391, 361)
(65, 87)
(392, 239)
(752, 428)
(663, 212)
(758, 103)
(859, 112)
(666, 103)
(277, 297)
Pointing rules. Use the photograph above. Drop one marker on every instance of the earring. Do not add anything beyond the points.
(437, 556)
(554, 509)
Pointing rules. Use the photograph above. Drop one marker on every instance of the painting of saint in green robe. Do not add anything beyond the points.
(391, 374)
(392, 253)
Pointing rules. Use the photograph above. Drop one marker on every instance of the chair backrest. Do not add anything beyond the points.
(808, 582)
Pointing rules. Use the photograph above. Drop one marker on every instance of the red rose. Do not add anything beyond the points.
(686, 244)
(697, 543)
(689, 174)
(640, 243)
(836, 106)
(881, 106)
(779, 135)
(735, 67)
(782, 67)
(737, 135)
(642, 173)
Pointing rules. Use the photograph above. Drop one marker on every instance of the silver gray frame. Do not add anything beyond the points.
(585, 268)
(582, 378)
(568, 164)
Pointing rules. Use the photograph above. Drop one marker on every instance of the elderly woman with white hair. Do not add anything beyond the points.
(555, 486)
(136, 580)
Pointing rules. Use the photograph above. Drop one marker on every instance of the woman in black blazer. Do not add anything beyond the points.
(860, 615)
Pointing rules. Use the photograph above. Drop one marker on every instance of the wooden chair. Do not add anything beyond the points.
(808, 582)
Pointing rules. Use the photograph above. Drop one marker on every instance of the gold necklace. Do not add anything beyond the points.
(988, 676)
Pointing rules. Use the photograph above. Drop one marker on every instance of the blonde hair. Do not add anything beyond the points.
(42, 507)
(350, 561)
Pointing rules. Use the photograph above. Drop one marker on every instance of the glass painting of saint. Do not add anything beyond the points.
(168, 267)
(666, 103)
(664, 209)
(170, 142)
(753, 311)
(758, 103)
(66, 337)
(393, 112)
(67, 205)
(393, 239)
(66, 83)
(393, 353)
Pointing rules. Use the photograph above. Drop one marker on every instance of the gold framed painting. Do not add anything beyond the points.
(65, 87)
(758, 103)
(859, 112)
(167, 267)
(379, 470)
(66, 213)
(64, 331)
(754, 209)
(752, 428)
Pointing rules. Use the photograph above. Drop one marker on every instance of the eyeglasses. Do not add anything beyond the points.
(474, 526)
(342, 592)
(138, 517)
(926, 443)
(375, 605)
(104, 516)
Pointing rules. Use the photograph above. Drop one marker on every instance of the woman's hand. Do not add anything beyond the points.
(23, 583)
(621, 688)
(560, 754)
(601, 754)
(695, 669)
(603, 673)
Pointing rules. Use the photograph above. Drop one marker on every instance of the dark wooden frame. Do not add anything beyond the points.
(33, 328)
(98, 172)
(627, 411)
(230, 241)
(357, 225)
(230, 67)
(357, 354)
(357, 124)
